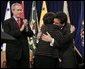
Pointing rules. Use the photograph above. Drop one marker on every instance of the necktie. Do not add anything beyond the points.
(18, 22)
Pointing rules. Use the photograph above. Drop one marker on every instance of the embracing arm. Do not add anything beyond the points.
(60, 39)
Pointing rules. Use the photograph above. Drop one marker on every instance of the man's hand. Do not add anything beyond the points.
(25, 23)
(47, 37)
(72, 28)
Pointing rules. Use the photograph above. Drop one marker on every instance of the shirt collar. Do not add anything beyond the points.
(15, 18)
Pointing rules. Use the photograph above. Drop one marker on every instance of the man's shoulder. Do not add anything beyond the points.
(8, 20)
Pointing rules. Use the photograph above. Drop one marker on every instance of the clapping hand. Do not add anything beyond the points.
(25, 24)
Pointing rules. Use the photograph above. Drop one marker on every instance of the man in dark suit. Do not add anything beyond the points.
(65, 45)
(17, 52)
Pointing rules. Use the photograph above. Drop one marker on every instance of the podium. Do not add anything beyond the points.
(6, 37)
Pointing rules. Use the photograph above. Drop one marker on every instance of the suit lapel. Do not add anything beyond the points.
(14, 22)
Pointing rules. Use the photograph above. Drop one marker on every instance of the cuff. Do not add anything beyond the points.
(51, 44)
(37, 41)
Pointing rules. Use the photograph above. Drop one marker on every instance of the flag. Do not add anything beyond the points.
(43, 12)
(3, 46)
(79, 39)
(33, 22)
(34, 19)
(7, 16)
(22, 15)
(8, 11)
(65, 10)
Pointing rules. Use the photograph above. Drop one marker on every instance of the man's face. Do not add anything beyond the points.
(17, 10)
(57, 22)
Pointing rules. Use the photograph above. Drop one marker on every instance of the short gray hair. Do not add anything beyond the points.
(14, 4)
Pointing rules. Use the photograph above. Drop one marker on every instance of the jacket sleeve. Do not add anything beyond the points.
(61, 39)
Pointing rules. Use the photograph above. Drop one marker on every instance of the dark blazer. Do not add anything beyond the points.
(63, 47)
(66, 48)
(14, 49)
(44, 48)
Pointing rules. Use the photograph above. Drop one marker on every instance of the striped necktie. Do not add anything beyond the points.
(18, 22)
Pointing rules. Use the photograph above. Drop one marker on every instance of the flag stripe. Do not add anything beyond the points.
(43, 12)
(7, 16)
(22, 15)
(8, 12)
(65, 9)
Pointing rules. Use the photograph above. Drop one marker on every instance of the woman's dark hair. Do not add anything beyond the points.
(49, 18)
(62, 16)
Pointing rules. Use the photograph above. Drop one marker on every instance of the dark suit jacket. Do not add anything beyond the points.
(66, 48)
(63, 47)
(44, 48)
(14, 49)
